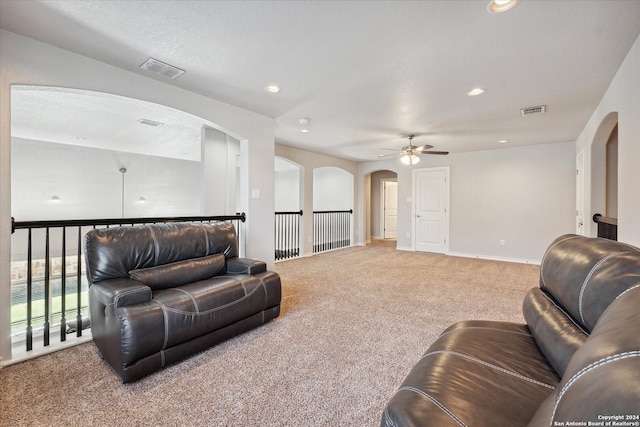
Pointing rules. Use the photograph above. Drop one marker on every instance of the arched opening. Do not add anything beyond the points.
(384, 205)
(83, 155)
(604, 171)
(332, 208)
(289, 229)
(612, 174)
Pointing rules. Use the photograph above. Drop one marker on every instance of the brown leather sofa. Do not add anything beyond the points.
(160, 293)
(576, 362)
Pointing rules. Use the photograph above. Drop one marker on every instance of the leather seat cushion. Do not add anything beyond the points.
(476, 373)
(180, 314)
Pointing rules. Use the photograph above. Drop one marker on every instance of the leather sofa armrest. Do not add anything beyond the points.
(245, 266)
(121, 292)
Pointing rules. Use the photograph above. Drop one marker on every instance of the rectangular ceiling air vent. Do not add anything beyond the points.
(162, 68)
(533, 110)
(149, 122)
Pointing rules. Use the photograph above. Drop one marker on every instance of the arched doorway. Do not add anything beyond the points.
(604, 172)
(289, 229)
(384, 205)
(332, 208)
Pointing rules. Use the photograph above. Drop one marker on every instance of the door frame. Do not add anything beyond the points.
(580, 194)
(383, 197)
(414, 173)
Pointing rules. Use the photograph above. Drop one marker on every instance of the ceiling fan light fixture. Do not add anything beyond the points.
(410, 159)
(499, 6)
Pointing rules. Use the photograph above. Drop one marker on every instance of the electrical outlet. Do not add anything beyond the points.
(502, 242)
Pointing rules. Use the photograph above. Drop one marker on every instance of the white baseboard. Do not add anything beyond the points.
(478, 256)
(496, 258)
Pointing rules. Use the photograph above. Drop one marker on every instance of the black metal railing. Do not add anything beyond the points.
(48, 290)
(331, 230)
(607, 227)
(287, 234)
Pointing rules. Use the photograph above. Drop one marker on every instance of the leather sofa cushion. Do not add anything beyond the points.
(584, 275)
(181, 272)
(478, 373)
(114, 252)
(177, 315)
(555, 332)
(602, 377)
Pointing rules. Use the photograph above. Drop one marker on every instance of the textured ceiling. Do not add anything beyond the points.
(365, 73)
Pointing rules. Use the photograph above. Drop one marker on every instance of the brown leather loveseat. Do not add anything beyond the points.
(162, 292)
(576, 362)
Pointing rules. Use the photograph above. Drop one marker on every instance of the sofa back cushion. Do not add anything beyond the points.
(114, 252)
(579, 278)
(601, 384)
(181, 272)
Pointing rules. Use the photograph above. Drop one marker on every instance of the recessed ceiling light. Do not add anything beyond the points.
(476, 91)
(272, 89)
(503, 141)
(55, 199)
(499, 6)
(304, 122)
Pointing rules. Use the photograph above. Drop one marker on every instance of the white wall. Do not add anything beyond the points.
(287, 190)
(523, 195)
(218, 170)
(88, 183)
(622, 97)
(332, 189)
(26, 61)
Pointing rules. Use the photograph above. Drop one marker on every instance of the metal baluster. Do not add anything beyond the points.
(63, 288)
(288, 235)
(29, 293)
(47, 288)
(280, 237)
(79, 284)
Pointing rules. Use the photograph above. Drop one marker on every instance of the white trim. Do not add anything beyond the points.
(496, 258)
(22, 356)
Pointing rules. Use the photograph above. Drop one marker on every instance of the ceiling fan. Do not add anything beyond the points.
(411, 152)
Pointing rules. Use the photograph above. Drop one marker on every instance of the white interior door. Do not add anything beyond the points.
(580, 194)
(390, 209)
(431, 206)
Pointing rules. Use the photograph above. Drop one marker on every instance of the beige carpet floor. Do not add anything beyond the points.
(352, 324)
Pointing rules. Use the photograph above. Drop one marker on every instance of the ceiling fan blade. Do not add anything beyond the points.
(440, 153)
(388, 155)
(422, 148)
(391, 149)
